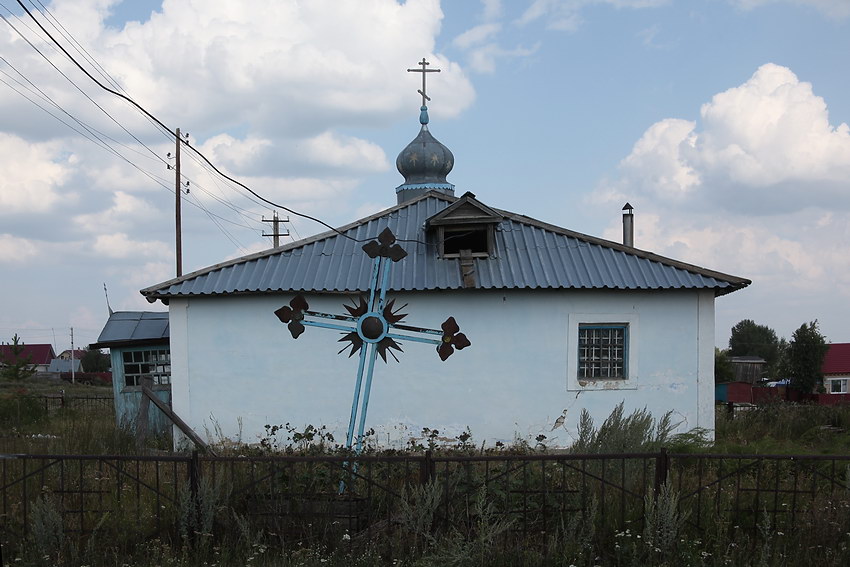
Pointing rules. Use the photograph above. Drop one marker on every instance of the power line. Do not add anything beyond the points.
(161, 124)
(103, 110)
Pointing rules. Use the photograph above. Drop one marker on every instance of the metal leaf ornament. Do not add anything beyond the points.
(452, 339)
(385, 247)
(293, 314)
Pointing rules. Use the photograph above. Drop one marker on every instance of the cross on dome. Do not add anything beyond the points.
(424, 64)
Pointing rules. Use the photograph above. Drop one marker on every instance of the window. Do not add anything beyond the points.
(155, 363)
(838, 385)
(475, 239)
(602, 351)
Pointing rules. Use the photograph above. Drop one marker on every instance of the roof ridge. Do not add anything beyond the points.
(152, 293)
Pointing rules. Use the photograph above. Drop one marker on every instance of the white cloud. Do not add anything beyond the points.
(345, 151)
(758, 187)
(14, 249)
(119, 245)
(32, 175)
(310, 56)
(839, 9)
(477, 35)
(126, 210)
(492, 9)
(764, 146)
(565, 15)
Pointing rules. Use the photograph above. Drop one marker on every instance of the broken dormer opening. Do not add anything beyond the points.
(476, 239)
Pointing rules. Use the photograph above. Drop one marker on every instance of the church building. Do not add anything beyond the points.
(528, 323)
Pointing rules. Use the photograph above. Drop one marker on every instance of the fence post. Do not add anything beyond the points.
(662, 466)
(194, 475)
(426, 468)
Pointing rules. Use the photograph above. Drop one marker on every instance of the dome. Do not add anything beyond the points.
(424, 163)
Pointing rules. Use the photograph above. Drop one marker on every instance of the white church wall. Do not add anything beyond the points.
(235, 367)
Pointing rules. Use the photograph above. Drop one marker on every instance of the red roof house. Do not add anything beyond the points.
(39, 355)
(836, 369)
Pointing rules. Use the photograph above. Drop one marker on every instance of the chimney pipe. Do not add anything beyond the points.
(628, 226)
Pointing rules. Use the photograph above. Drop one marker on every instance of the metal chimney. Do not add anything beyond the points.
(628, 226)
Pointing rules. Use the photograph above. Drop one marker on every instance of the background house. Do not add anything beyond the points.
(836, 369)
(138, 346)
(39, 355)
(64, 365)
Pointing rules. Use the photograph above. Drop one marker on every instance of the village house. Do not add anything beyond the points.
(38, 355)
(836, 369)
(138, 347)
(558, 321)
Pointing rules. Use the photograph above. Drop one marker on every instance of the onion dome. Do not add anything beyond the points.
(424, 163)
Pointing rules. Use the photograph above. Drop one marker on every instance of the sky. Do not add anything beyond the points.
(723, 122)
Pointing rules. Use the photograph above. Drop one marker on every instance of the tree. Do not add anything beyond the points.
(95, 361)
(16, 365)
(723, 371)
(751, 339)
(806, 352)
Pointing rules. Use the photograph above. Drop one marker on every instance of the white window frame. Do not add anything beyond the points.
(630, 321)
(844, 390)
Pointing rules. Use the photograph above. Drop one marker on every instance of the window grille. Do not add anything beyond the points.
(602, 351)
(155, 363)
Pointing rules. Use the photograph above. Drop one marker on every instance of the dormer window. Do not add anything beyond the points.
(465, 229)
(477, 239)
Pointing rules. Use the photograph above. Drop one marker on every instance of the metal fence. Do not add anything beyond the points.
(329, 499)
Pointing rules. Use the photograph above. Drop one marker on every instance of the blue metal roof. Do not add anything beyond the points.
(528, 254)
(127, 328)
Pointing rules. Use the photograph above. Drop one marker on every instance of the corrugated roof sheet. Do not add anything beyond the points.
(528, 254)
(837, 359)
(125, 327)
(59, 365)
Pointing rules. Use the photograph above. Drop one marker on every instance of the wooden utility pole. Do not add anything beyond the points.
(73, 377)
(276, 234)
(178, 189)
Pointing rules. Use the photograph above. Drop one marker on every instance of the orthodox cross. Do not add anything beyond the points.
(423, 70)
(372, 327)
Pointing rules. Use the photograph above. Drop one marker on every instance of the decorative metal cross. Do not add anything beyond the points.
(423, 70)
(374, 324)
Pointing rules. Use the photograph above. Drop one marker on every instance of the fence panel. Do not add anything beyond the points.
(759, 493)
(123, 499)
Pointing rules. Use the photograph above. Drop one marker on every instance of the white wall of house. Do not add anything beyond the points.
(235, 367)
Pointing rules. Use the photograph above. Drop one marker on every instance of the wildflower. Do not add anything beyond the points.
(346, 537)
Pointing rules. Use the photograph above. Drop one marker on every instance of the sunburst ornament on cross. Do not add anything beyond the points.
(372, 328)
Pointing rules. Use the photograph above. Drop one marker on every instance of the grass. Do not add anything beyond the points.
(214, 528)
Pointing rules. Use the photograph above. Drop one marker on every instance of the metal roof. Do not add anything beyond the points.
(528, 254)
(837, 359)
(134, 328)
(61, 365)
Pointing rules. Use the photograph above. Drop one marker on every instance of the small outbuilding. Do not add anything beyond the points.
(138, 344)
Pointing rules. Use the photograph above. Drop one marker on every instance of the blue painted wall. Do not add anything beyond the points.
(235, 368)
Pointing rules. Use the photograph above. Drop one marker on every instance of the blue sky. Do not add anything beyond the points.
(722, 121)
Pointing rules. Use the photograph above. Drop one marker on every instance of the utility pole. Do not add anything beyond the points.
(178, 189)
(73, 379)
(276, 234)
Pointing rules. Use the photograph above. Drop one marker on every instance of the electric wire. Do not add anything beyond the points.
(89, 57)
(192, 148)
(103, 110)
(158, 122)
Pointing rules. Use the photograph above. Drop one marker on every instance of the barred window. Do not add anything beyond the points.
(155, 363)
(602, 351)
